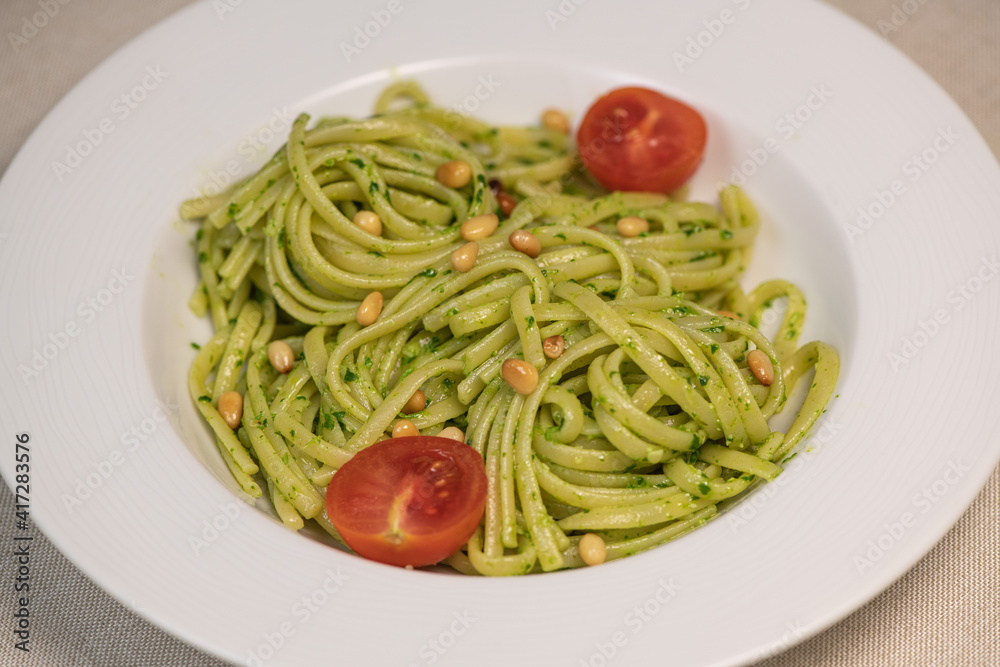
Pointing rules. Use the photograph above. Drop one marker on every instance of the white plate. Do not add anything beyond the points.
(96, 271)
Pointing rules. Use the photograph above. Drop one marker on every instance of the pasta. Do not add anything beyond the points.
(649, 421)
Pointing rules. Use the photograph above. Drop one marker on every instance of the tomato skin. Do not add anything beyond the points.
(408, 501)
(636, 139)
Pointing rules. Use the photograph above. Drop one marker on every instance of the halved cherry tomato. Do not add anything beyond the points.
(640, 140)
(408, 501)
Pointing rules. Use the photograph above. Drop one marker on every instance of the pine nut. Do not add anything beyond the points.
(231, 408)
(370, 309)
(553, 346)
(404, 428)
(632, 225)
(464, 258)
(593, 551)
(479, 227)
(520, 375)
(416, 403)
(728, 313)
(507, 203)
(553, 119)
(454, 174)
(761, 367)
(526, 242)
(369, 221)
(453, 433)
(280, 354)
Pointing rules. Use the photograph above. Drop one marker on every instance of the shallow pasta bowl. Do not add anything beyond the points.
(96, 271)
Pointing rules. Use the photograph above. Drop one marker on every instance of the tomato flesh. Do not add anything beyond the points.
(408, 501)
(637, 139)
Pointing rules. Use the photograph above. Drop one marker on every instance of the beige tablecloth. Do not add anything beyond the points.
(946, 611)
